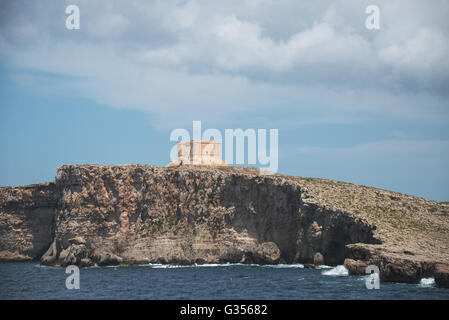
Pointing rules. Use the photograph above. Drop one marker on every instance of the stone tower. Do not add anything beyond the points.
(199, 152)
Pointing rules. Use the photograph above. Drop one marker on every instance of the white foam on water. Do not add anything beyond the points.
(162, 266)
(337, 271)
(168, 266)
(204, 265)
(284, 266)
(47, 267)
(155, 265)
(212, 265)
(427, 283)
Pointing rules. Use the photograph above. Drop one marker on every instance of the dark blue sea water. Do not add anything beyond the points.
(28, 280)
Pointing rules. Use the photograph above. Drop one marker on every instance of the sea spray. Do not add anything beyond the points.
(427, 283)
(337, 271)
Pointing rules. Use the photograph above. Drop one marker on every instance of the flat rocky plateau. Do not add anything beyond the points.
(138, 214)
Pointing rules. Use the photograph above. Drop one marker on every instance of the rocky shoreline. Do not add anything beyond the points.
(135, 214)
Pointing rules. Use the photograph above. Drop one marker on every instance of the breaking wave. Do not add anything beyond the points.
(337, 271)
(427, 283)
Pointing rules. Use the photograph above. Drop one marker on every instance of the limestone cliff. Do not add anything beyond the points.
(26, 221)
(136, 214)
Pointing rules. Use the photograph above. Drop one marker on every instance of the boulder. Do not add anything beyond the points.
(441, 275)
(400, 270)
(138, 260)
(73, 255)
(355, 267)
(105, 258)
(267, 253)
(318, 259)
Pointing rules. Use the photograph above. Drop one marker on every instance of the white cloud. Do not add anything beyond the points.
(180, 59)
(107, 26)
(423, 57)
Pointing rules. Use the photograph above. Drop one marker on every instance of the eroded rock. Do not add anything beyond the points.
(355, 267)
(318, 259)
(442, 275)
(267, 253)
(27, 221)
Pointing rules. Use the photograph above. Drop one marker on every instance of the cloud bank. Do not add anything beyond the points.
(184, 59)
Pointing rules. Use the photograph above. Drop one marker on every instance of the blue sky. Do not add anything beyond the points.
(368, 107)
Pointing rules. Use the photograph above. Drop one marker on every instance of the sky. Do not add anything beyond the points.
(364, 106)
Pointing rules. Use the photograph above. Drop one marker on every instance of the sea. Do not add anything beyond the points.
(29, 280)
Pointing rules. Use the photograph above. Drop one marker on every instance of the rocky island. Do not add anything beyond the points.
(139, 214)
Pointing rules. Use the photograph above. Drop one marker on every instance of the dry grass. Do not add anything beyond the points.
(402, 221)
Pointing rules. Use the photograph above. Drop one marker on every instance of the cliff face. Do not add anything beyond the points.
(26, 221)
(140, 214)
(137, 214)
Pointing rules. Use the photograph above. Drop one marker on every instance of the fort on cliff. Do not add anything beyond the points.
(199, 152)
(185, 215)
